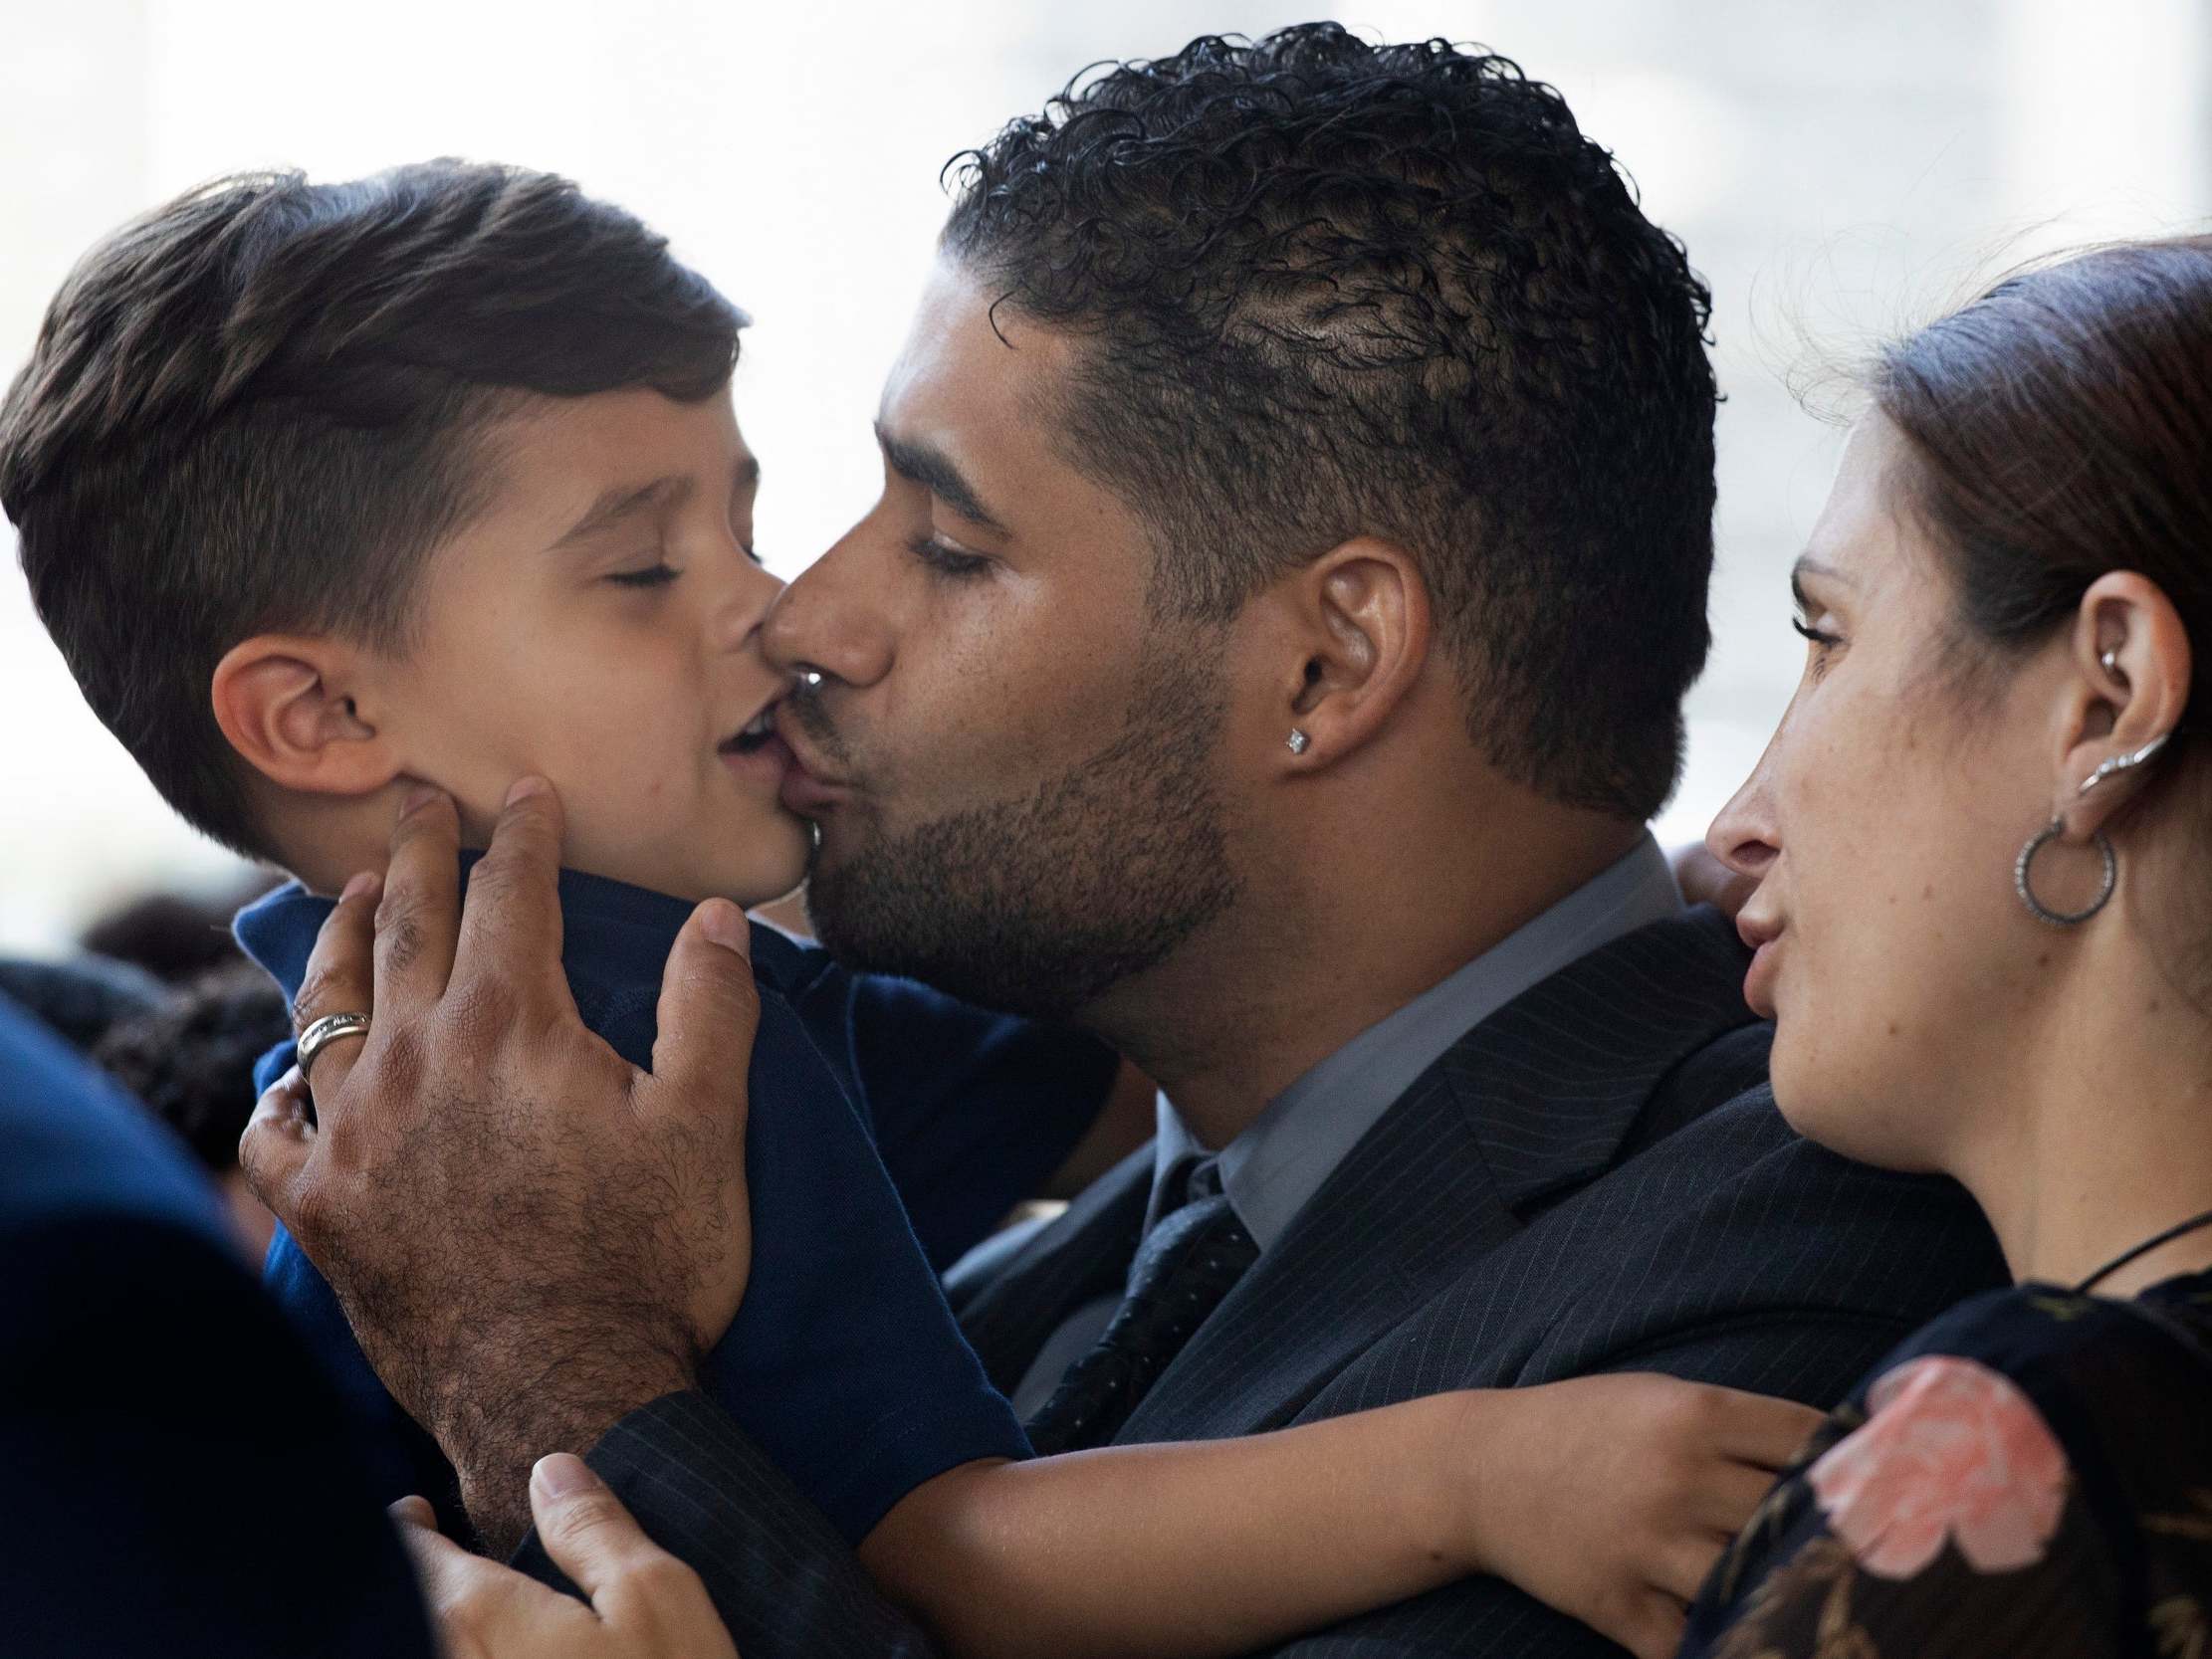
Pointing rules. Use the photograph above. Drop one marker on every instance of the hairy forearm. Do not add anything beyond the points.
(1179, 1551)
(494, 1428)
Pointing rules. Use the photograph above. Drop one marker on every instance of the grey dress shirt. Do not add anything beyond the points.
(1277, 1166)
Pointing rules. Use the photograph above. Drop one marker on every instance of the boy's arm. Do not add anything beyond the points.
(1608, 1498)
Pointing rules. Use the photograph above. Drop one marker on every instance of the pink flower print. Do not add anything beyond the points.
(1951, 1449)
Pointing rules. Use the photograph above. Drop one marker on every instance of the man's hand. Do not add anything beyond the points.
(644, 1603)
(529, 1236)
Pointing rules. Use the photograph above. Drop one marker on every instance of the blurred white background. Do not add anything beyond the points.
(1837, 170)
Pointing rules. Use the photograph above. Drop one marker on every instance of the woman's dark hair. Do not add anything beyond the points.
(1331, 288)
(2060, 427)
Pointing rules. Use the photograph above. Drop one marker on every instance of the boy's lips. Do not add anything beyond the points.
(767, 763)
(755, 751)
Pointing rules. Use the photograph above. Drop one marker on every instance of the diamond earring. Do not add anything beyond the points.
(2118, 764)
(1298, 742)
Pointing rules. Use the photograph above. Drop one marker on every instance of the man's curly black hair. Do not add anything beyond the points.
(1333, 288)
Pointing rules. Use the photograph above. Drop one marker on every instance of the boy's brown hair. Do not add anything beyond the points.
(259, 408)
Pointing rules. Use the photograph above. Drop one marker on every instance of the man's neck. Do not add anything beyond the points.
(1308, 961)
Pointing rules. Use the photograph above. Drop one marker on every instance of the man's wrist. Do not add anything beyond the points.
(495, 1429)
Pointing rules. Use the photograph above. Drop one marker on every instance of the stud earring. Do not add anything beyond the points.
(2109, 662)
(1298, 742)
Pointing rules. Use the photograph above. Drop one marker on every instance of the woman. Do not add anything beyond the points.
(1984, 929)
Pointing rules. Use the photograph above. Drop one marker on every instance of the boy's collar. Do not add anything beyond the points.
(279, 930)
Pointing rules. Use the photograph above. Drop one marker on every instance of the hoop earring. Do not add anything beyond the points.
(2036, 907)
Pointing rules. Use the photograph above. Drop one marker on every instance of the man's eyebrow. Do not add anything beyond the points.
(624, 500)
(932, 469)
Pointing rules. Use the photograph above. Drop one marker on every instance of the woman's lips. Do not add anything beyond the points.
(1758, 980)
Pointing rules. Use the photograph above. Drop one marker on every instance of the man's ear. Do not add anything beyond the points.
(1362, 624)
(290, 706)
(2128, 673)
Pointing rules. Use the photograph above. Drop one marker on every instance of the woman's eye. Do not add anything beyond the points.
(947, 561)
(657, 575)
(1821, 643)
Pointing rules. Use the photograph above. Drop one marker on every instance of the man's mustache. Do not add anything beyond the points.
(804, 704)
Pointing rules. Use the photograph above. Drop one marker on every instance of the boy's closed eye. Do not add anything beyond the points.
(652, 576)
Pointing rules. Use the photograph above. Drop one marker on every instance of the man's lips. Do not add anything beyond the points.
(805, 790)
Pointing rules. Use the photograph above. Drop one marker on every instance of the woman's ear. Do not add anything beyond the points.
(290, 706)
(1362, 623)
(2129, 671)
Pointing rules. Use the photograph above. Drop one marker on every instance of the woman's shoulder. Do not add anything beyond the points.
(2035, 1392)
(2034, 1468)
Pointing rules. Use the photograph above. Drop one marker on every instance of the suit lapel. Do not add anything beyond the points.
(1008, 1308)
(1531, 1102)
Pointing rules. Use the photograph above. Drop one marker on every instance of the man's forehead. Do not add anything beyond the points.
(971, 361)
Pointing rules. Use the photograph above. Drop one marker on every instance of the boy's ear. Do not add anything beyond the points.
(288, 705)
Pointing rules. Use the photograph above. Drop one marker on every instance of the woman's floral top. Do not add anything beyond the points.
(2029, 1476)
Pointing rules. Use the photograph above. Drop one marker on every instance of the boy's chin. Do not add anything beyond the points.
(767, 875)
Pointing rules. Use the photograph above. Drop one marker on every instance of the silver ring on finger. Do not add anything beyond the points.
(325, 1031)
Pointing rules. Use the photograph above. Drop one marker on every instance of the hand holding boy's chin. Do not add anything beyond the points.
(529, 1236)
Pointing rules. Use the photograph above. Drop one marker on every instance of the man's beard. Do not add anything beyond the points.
(1038, 905)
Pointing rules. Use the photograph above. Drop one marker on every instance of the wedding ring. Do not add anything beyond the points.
(325, 1031)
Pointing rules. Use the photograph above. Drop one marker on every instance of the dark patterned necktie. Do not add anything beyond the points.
(1183, 1269)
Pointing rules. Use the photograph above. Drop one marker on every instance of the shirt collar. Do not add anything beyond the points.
(1271, 1170)
(602, 921)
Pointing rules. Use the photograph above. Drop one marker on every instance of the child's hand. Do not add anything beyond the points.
(1610, 1497)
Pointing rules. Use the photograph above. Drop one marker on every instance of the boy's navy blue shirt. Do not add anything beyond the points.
(844, 1362)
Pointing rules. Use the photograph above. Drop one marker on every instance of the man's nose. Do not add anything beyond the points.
(828, 620)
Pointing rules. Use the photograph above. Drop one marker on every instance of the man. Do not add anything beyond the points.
(1266, 653)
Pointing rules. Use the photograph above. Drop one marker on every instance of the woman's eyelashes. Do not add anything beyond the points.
(1820, 641)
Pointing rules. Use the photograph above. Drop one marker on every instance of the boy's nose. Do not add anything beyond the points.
(745, 607)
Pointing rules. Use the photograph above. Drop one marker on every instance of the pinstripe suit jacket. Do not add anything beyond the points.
(1593, 1178)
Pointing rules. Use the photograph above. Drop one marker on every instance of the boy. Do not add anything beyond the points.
(434, 479)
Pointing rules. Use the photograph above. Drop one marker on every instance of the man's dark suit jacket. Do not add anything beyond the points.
(1592, 1179)
(177, 1479)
